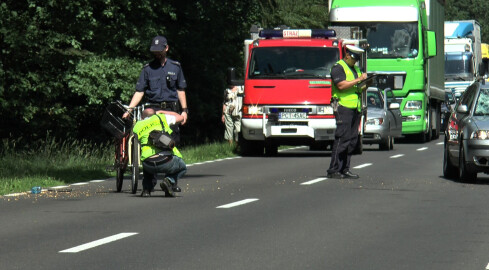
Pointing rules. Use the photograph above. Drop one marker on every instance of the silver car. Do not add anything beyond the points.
(384, 120)
(466, 150)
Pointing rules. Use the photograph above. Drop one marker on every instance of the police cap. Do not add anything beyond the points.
(355, 51)
(158, 44)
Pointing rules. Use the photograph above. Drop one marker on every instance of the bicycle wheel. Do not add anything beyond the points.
(120, 163)
(135, 165)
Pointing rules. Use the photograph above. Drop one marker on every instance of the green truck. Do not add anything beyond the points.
(406, 51)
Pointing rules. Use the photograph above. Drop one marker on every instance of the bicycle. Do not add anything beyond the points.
(127, 147)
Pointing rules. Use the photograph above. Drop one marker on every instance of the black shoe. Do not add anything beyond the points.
(176, 188)
(335, 175)
(351, 175)
(166, 187)
(146, 193)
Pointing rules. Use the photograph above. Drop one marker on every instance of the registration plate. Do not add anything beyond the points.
(292, 115)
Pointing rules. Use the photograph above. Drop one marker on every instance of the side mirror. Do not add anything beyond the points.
(431, 39)
(231, 77)
(394, 106)
(462, 109)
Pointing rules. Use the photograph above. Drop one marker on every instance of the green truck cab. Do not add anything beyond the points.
(406, 52)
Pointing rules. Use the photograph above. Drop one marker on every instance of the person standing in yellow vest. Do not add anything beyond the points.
(346, 76)
(156, 160)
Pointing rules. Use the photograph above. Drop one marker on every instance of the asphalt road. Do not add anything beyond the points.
(262, 213)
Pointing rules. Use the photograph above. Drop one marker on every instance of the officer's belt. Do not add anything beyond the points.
(165, 104)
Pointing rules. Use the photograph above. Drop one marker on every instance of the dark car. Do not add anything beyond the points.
(466, 150)
(384, 120)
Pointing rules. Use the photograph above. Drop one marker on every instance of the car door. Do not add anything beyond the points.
(394, 114)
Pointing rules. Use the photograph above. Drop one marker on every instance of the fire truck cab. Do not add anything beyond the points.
(287, 89)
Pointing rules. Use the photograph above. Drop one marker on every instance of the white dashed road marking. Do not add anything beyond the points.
(422, 149)
(238, 203)
(97, 243)
(362, 166)
(314, 181)
(397, 156)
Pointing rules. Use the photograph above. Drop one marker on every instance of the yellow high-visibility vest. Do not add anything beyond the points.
(349, 98)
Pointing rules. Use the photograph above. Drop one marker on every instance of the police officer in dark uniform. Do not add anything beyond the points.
(162, 82)
(346, 92)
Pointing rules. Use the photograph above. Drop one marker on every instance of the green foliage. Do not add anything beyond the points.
(62, 61)
(469, 10)
(99, 80)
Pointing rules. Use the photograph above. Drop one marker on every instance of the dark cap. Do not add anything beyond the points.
(158, 44)
(355, 51)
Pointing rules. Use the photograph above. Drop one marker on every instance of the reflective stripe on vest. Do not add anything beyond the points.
(348, 98)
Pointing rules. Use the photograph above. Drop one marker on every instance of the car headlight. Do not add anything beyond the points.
(325, 110)
(480, 135)
(413, 105)
(252, 109)
(375, 121)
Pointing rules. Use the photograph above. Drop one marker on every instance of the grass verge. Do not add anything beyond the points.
(54, 163)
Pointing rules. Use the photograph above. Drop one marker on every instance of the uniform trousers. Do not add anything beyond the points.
(346, 136)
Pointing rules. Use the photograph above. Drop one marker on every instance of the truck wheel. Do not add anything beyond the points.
(436, 131)
(249, 148)
(271, 149)
(428, 128)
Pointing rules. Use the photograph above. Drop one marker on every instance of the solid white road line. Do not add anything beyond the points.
(314, 181)
(362, 166)
(238, 203)
(422, 149)
(97, 181)
(397, 156)
(80, 184)
(487, 267)
(97, 243)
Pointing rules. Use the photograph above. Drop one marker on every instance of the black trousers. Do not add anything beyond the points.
(346, 136)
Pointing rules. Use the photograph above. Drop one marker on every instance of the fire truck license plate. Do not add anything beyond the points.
(292, 115)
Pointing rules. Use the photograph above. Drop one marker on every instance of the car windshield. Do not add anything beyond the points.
(374, 100)
(292, 62)
(482, 106)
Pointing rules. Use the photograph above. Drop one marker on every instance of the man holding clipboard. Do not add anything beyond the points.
(348, 84)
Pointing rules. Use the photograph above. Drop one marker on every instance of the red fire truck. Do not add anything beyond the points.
(287, 89)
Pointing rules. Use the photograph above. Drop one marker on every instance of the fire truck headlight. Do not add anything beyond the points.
(325, 110)
(252, 109)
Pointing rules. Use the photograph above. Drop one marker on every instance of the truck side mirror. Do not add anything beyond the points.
(431, 39)
(231, 77)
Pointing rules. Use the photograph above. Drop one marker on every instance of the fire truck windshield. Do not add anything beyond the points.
(292, 62)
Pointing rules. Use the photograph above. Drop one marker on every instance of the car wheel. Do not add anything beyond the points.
(449, 170)
(385, 144)
(392, 144)
(464, 175)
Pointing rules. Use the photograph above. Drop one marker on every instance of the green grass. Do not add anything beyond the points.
(53, 163)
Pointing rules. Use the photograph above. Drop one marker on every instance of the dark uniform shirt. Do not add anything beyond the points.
(160, 83)
(338, 73)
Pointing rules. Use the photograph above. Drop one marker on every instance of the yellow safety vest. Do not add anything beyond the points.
(144, 127)
(350, 97)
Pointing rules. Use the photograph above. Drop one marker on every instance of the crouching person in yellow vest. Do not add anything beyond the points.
(346, 76)
(159, 160)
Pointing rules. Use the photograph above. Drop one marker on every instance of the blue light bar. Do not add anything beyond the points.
(297, 33)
